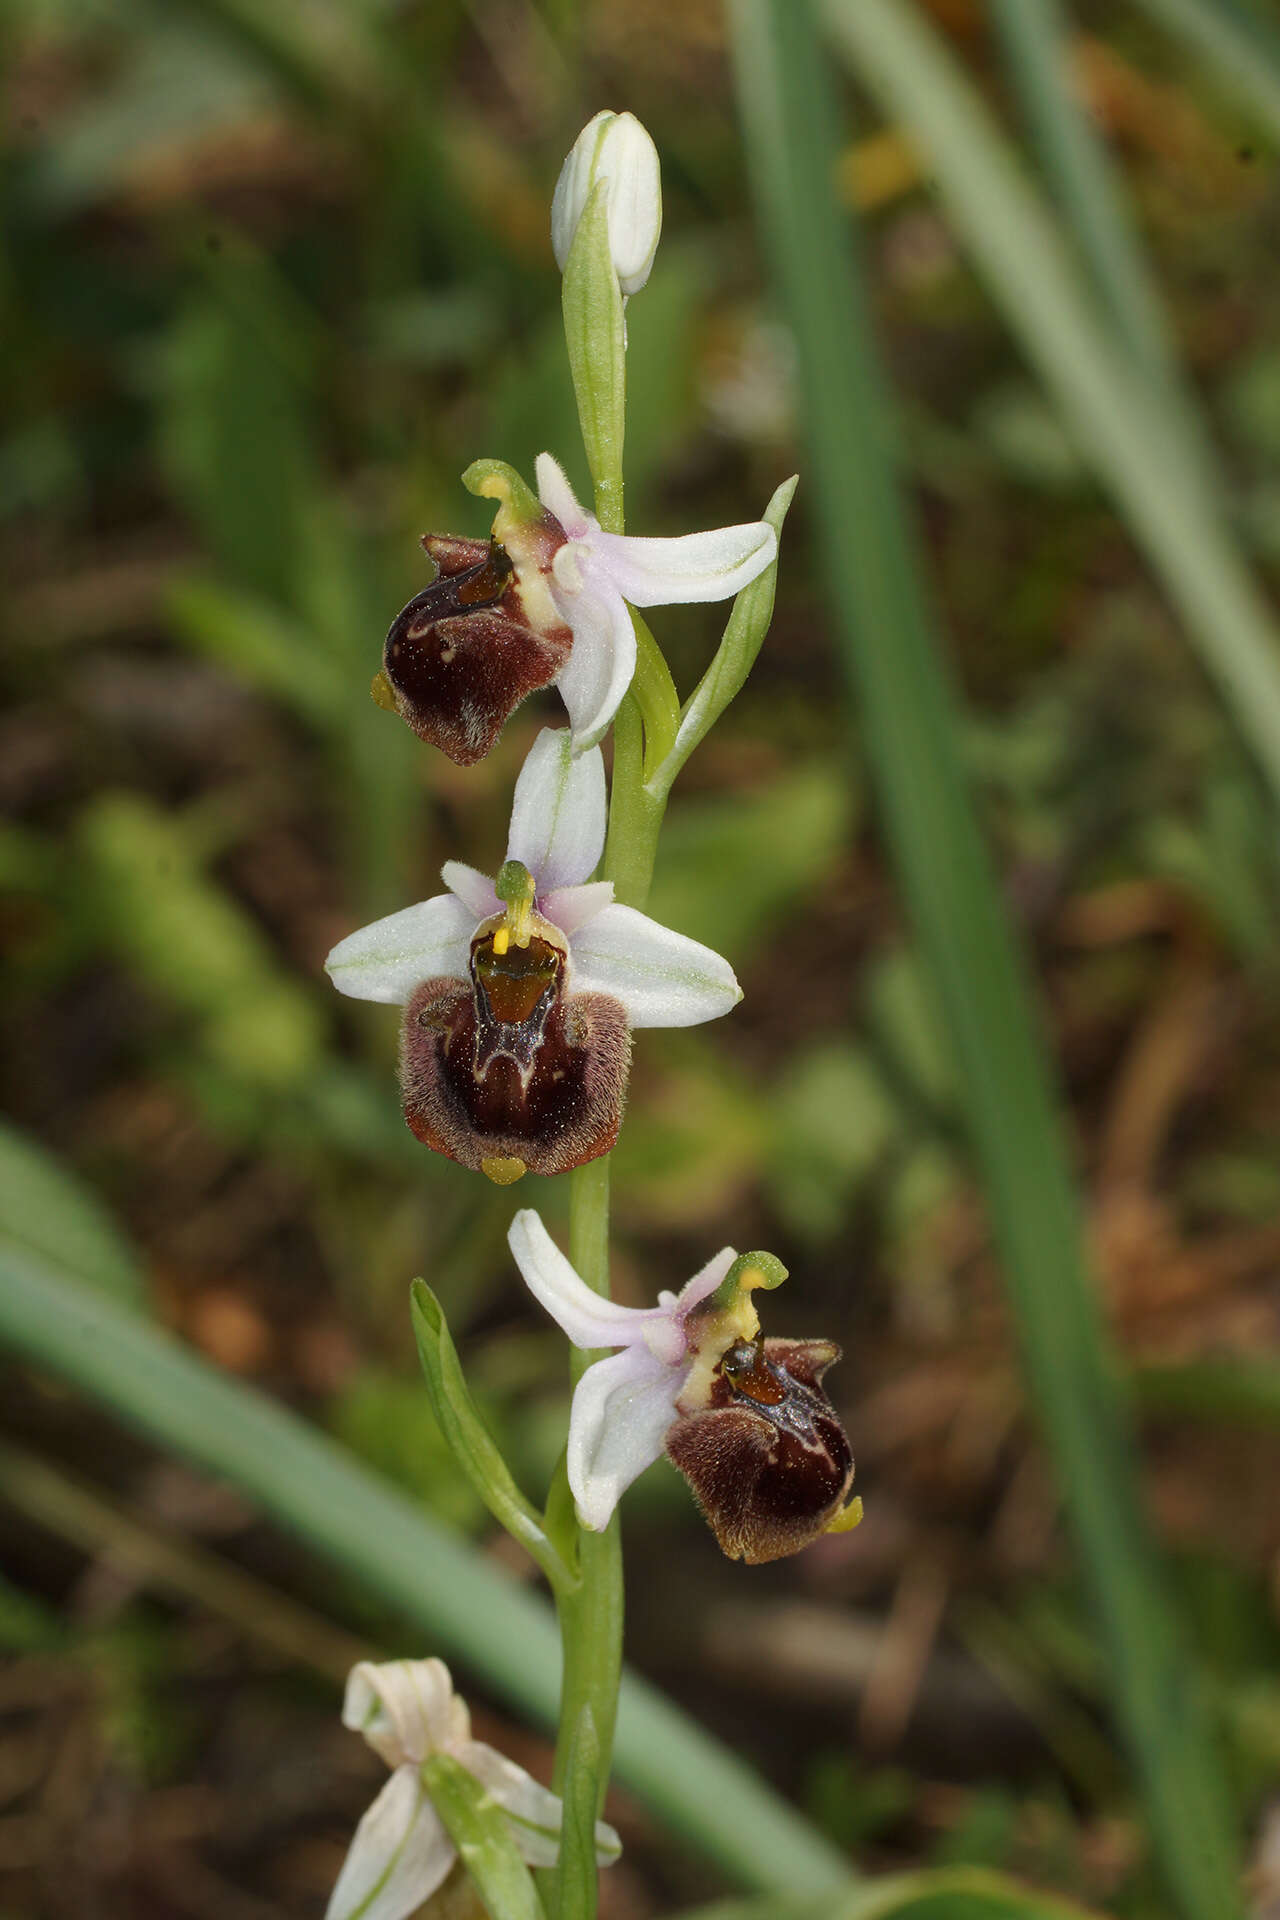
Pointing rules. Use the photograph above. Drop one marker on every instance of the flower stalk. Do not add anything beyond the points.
(519, 993)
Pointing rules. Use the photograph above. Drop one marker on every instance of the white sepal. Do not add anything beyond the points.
(587, 1318)
(662, 979)
(405, 1709)
(387, 960)
(534, 1812)
(559, 811)
(399, 1856)
(623, 1408)
(600, 668)
(692, 566)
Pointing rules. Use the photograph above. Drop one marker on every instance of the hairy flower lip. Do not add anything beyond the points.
(407, 1711)
(475, 642)
(621, 970)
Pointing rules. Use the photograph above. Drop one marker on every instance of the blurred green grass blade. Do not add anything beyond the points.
(1136, 453)
(944, 1893)
(1244, 1390)
(463, 1607)
(49, 1211)
(1035, 35)
(1240, 41)
(911, 730)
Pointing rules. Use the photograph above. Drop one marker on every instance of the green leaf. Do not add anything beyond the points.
(743, 637)
(472, 1446)
(597, 345)
(47, 1211)
(264, 648)
(1157, 477)
(904, 704)
(1244, 1389)
(482, 1834)
(1036, 37)
(948, 1893)
(1241, 41)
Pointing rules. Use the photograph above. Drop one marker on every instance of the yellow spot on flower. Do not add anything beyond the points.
(847, 1519)
(382, 693)
(503, 1173)
(501, 941)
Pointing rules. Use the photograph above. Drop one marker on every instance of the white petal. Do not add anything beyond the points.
(622, 1410)
(558, 814)
(558, 497)
(661, 978)
(603, 660)
(706, 1280)
(587, 1318)
(399, 1856)
(405, 1709)
(695, 566)
(387, 960)
(535, 1813)
(473, 888)
(571, 907)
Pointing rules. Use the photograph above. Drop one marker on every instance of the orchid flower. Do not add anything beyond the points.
(408, 1712)
(520, 992)
(544, 601)
(744, 1418)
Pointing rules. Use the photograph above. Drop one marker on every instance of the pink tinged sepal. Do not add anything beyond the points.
(595, 574)
(623, 1407)
(559, 813)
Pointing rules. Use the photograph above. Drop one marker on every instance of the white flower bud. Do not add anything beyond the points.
(613, 147)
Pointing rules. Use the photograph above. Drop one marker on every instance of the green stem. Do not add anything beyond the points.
(591, 1615)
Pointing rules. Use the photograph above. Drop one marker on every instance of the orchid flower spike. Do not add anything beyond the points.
(520, 992)
(744, 1418)
(543, 601)
(615, 148)
(407, 1711)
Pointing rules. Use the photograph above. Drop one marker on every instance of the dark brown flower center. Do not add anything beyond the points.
(515, 980)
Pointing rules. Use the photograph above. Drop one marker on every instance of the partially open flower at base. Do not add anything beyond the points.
(520, 992)
(407, 1711)
(744, 1418)
(543, 601)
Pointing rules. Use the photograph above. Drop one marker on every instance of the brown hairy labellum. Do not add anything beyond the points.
(470, 647)
(766, 1456)
(509, 1072)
